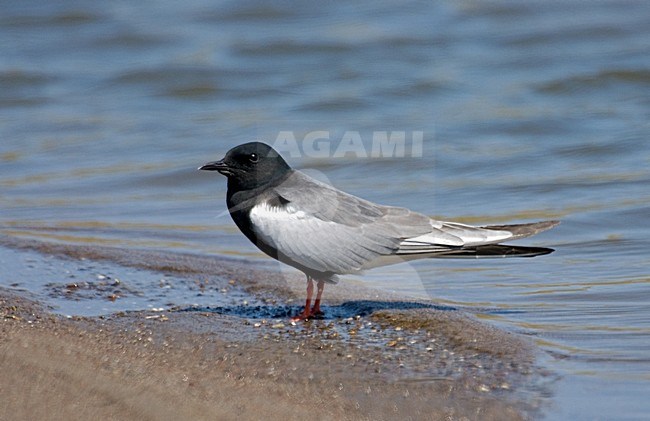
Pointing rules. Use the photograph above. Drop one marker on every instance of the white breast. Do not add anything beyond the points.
(270, 222)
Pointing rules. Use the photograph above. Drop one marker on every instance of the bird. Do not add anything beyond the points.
(325, 232)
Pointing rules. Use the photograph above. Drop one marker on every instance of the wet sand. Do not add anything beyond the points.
(375, 356)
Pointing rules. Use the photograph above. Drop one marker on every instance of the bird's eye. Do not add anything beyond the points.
(253, 158)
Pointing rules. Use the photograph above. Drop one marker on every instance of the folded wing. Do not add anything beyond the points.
(318, 227)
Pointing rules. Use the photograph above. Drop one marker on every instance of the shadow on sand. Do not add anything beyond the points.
(331, 312)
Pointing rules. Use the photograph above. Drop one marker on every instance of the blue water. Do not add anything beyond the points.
(528, 110)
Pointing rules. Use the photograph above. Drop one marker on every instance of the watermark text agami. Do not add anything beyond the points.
(351, 143)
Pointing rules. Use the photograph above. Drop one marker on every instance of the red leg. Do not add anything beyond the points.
(307, 311)
(316, 311)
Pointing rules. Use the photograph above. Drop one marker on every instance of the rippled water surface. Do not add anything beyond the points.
(529, 110)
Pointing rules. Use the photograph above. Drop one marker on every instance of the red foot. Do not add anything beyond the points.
(317, 315)
(315, 312)
(304, 315)
(307, 315)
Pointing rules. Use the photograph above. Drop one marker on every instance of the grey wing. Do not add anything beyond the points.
(327, 230)
(316, 244)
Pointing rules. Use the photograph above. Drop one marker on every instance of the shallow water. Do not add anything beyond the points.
(528, 111)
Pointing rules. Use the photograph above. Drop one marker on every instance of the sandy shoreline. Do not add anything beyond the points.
(372, 359)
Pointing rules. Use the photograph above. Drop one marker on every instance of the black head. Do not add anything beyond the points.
(250, 165)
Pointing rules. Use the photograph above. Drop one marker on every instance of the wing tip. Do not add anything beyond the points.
(526, 229)
(505, 250)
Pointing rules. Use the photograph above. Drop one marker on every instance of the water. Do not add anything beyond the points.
(529, 111)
